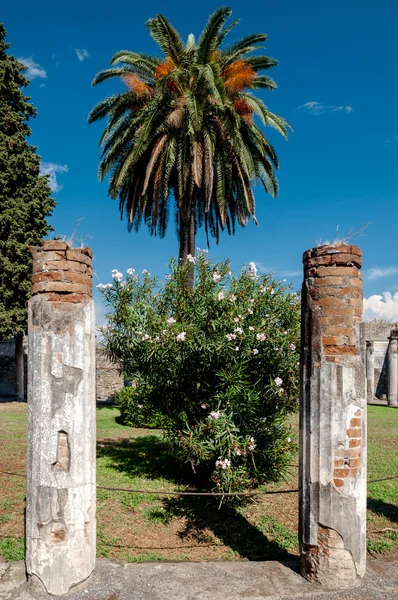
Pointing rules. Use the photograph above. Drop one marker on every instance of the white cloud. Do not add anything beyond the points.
(262, 267)
(35, 71)
(393, 140)
(376, 273)
(82, 54)
(316, 108)
(381, 307)
(48, 168)
(291, 273)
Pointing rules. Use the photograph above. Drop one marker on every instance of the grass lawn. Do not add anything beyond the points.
(143, 527)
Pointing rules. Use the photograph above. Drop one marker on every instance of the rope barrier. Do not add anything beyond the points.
(176, 493)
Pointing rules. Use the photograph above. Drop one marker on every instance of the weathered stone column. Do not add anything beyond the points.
(393, 369)
(370, 371)
(60, 503)
(332, 419)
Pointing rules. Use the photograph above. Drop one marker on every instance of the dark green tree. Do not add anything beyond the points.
(185, 131)
(25, 201)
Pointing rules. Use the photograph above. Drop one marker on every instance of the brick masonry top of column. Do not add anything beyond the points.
(62, 273)
(333, 285)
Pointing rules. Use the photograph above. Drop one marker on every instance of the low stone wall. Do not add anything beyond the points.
(108, 379)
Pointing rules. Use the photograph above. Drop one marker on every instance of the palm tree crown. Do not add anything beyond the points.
(184, 130)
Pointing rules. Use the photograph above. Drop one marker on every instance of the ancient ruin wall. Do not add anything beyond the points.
(333, 418)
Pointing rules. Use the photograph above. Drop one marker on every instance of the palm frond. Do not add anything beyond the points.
(167, 37)
(208, 40)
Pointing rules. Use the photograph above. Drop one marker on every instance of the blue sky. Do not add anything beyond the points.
(338, 85)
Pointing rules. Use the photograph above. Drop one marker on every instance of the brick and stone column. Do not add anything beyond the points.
(333, 419)
(370, 371)
(393, 369)
(60, 503)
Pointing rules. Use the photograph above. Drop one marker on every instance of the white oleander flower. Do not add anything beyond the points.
(223, 462)
(117, 275)
(214, 415)
(191, 259)
(181, 336)
(216, 277)
(278, 381)
(130, 271)
(171, 321)
(260, 337)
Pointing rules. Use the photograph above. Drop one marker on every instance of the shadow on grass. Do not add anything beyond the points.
(145, 456)
(383, 508)
(151, 457)
(227, 524)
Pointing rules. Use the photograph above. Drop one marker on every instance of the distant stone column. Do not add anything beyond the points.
(332, 419)
(60, 503)
(370, 371)
(393, 369)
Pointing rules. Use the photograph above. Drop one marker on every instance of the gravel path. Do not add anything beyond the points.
(240, 580)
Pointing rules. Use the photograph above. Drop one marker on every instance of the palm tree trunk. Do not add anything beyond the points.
(187, 242)
(19, 368)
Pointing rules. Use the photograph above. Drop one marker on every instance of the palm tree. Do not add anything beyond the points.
(184, 131)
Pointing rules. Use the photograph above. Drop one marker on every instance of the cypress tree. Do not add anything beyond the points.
(25, 202)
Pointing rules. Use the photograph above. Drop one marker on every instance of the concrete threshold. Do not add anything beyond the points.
(235, 580)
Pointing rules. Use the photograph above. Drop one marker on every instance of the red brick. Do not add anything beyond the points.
(59, 265)
(337, 271)
(335, 311)
(333, 340)
(75, 277)
(54, 245)
(338, 291)
(316, 262)
(330, 301)
(343, 259)
(86, 251)
(321, 281)
(339, 483)
(61, 287)
(42, 256)
(67, 298)
(341, 472)
(47, 276)
(333, 320)
(354, 432)
(337, 330)
(342, 350)
(356, 282)
(78, 257)
(356, 302)
(354, 443)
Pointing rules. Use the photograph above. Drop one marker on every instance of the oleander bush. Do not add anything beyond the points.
(136, 411)
(218, 361)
